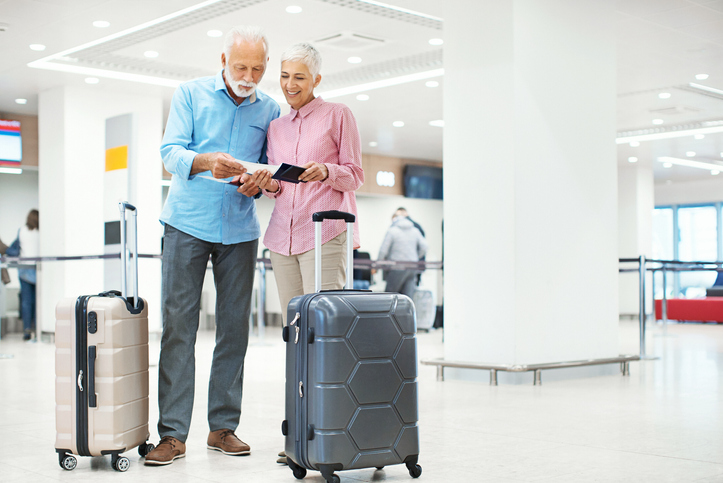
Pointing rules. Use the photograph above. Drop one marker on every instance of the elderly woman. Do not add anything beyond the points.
(323, 138)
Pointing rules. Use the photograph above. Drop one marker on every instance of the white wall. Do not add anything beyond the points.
(704, 191)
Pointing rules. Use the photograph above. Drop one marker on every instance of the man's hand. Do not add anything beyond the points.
(314, 172)
(248, 186)
(221, 165)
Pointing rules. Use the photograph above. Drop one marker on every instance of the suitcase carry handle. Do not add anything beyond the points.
(318, 218)
(124, 206)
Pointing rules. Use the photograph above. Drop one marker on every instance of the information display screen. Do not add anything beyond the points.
(11, 146)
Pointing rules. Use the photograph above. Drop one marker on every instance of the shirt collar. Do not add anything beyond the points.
(308, 108)
(221, 86)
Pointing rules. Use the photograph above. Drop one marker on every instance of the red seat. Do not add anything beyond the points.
(709, 309)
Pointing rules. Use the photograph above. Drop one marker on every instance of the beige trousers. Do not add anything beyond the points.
(295, 274)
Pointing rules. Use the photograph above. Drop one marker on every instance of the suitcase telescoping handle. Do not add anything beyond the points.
(318, 218)
(124, 206)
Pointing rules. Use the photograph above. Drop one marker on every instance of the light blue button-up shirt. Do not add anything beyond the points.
(205, 119)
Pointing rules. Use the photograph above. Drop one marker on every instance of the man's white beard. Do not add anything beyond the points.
(235, 86)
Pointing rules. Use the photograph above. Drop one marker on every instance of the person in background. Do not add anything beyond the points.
(403, 212)
(362, 276)
(212, 122)
(323, 138)
(402, 243)
(26, 245)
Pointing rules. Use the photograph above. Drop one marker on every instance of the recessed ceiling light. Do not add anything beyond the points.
(91, 80)
(214, 33)
(151, 54)
(701, 76)
(101, 24)
(664, 95)
(398, 124)
(436, 41)
(354, 60)
(437, 123)
(690, 154)
(432, 84)
(658, 121)
(37, 47)
(634, 144)
(699, 136)
(362, 97)
(293, 9)
(667, 165)
(21, 101)
(632, 159)
(373, 144)
(714, 172)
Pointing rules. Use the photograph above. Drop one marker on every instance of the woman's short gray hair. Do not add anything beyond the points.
(305, 53)
(245, 33)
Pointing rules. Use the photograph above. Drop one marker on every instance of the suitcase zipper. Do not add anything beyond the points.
(81, 362)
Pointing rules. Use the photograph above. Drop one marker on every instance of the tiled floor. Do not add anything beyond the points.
(664, 423)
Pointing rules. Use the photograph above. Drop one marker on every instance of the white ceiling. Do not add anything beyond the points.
(662, 45)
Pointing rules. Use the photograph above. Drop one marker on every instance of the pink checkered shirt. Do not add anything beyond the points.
(322, 132)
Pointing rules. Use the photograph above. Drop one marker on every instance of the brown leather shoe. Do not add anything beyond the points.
(225, 441)
(167, 450)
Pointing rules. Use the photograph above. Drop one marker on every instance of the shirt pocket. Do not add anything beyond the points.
(251, 141)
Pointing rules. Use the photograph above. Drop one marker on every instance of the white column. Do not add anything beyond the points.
(71, 198)
(530, 182)
(636, 201)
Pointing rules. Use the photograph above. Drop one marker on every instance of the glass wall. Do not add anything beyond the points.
(687, 233)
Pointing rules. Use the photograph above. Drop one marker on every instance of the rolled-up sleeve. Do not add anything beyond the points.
(177, 157)
(348, 174)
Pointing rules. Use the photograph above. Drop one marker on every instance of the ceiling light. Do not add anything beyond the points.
(701, 76)
(362, 97)
(11, 170)
(432, 84)
(101, 24)
(666, 160)
(667, 165)
(293, 9)
(708, 127)
(634, 144)
(214, 33)
(437, 123)
(91, 80)
(354, 60)
(699, 136)
(632, 159)
(664, 95)
(21, 101)
(37, 47)
(151, 54)
(657, 121)
(436, 41)
(701, 87)
(394, 81)
(714, 172)
(373, 144)
(400, 9)
(690, 154)
(398, 124)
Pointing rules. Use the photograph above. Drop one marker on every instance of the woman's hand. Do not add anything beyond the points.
(314, 172)
(262, 179)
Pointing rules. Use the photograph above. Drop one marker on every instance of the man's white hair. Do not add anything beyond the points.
(305, 53)
(245, 33)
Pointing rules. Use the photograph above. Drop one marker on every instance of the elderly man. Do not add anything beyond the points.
(212, 122)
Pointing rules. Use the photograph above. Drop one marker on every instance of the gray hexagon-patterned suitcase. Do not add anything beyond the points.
(351, 378)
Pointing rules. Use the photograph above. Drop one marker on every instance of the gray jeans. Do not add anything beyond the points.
(402, 281)
(184, 266)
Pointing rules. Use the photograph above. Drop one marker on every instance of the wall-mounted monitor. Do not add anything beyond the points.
(423, 182)
(11, 146)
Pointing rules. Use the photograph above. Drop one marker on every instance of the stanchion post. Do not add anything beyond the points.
(664, 303)
(261, 306)
(641, 316)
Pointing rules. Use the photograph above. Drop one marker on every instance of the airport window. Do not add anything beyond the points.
(687, 233)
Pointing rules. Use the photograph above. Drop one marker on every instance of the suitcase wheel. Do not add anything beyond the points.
(68, 462)
(380, 467)
(299, 471)
(333, 479)
(122, 464)
(415, 471)
(145, 448)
